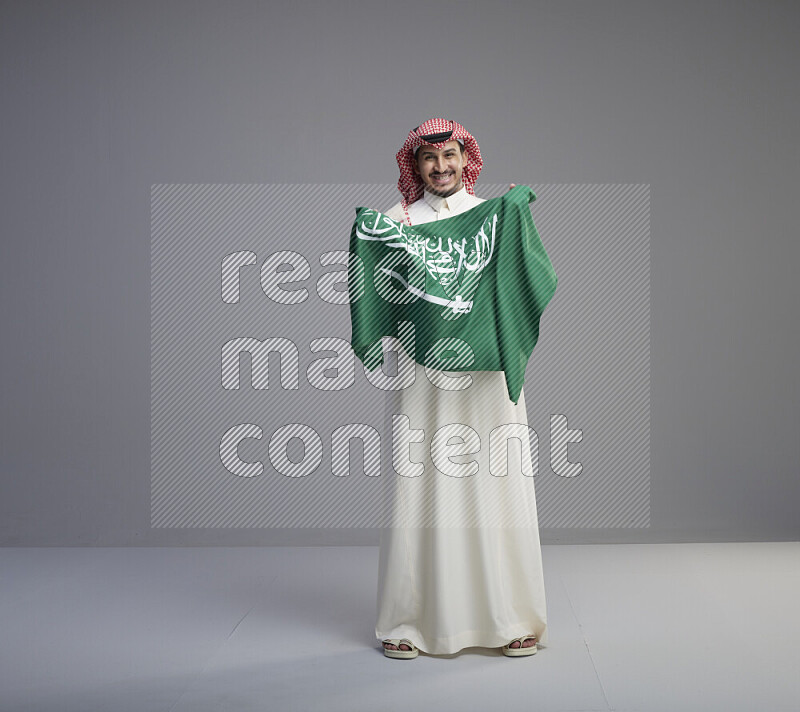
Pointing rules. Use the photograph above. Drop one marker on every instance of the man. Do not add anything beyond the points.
(438, 178)
(424, 596)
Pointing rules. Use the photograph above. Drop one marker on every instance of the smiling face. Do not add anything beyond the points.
(440, 168)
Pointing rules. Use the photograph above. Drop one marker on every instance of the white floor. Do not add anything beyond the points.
(632, 627)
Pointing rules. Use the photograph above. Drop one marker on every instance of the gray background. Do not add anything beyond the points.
(102, 100)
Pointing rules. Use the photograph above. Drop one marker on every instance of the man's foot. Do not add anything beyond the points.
(390, 646)
(526, 643)
(401, 648)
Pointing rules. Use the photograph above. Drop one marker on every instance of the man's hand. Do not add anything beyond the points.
(513, 185)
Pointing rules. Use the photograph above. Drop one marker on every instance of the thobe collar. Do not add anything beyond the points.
(451, 202)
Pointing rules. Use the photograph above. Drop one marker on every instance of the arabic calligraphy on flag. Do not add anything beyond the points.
(480, 279)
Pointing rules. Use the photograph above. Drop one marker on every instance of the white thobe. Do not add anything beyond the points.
(448, 586)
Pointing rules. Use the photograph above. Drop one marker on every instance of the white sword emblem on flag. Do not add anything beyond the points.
(458, 305)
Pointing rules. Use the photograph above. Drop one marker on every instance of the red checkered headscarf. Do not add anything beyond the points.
(435, 132)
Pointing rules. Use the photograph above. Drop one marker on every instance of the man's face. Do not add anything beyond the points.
(440, 168)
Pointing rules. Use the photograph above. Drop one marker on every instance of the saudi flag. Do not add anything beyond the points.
(462, 294)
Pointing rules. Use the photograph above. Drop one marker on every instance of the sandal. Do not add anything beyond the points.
(401, 654)
(516, 652)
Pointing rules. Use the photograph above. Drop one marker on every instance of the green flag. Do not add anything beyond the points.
(463, 294)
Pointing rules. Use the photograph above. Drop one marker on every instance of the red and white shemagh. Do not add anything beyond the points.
(410, 184)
